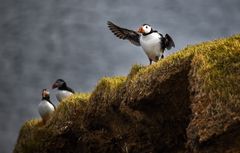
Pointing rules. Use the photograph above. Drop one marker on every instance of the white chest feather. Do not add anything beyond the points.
(45, 108)
(62, 94)
(151, 45)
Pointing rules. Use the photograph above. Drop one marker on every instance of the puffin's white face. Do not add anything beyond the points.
(145, 29)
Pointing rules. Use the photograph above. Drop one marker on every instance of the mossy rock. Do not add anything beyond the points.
(187, 102)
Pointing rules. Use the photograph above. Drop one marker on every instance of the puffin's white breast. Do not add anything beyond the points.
(151, 45)
(62, 94)
(45, 108)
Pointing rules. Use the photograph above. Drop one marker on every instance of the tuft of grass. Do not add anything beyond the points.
(107, 91)
(106, 86)
(110, 83)
(135, 69)
(70, 107)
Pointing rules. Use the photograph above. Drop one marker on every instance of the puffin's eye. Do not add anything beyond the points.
(146, 27)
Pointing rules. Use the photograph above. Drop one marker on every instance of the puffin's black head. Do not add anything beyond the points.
(145, 29)
(45, 94)
(59, 83)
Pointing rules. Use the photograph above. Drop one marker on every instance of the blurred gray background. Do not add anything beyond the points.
(42, 40)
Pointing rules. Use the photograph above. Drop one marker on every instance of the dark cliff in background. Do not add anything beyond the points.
(188, 102)
(42, 40)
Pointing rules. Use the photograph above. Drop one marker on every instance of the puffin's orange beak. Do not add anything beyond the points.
(45, 93)
(141, 30)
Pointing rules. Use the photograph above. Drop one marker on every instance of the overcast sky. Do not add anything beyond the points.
(43, 40)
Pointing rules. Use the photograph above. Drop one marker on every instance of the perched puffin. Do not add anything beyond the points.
(63, 90)
(46, 107)
(152, 42)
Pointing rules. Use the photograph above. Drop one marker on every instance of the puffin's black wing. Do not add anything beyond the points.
(166, 42)
(70, 89)
(123, 33)
(52, 104)
(169, 43)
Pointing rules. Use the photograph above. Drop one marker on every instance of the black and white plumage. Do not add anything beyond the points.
(46, 107)
(152, 42)
(63, 90)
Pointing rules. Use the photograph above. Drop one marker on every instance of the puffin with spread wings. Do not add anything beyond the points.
(152, 42)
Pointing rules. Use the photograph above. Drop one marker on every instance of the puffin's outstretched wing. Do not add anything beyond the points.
(123, 33)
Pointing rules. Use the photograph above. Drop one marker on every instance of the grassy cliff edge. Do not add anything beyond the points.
(187, 102)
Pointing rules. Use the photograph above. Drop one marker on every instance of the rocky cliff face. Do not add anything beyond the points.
(187, 102)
